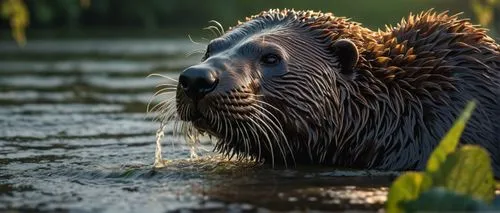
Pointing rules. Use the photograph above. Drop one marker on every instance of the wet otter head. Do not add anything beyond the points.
(268, 87)
(289, 87)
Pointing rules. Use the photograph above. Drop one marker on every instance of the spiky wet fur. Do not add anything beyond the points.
(409, 85)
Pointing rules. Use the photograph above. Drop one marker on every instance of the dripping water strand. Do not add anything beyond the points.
(159, 163)
(193, 140)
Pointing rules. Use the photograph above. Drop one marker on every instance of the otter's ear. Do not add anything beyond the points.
(347, 53)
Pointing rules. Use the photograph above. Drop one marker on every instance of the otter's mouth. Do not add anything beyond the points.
(231, 116)
(201, 123)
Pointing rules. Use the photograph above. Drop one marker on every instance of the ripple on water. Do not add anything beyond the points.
(104, 46)
(27, 96)
(100, 83)
(61, 108)
(70, 67)
(37, 82)
(74, 125)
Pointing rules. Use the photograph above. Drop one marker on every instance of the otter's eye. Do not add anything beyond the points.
(270, 59)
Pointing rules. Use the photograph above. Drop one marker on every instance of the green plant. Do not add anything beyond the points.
(484, 10)
(18, 15)
(454, 180)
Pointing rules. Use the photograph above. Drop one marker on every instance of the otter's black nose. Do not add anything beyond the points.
(198, 81)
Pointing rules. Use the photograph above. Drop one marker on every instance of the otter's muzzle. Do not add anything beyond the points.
(197, 81)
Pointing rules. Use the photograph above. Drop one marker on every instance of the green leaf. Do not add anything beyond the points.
(467, 171)
(442, 200)
(5, 9)
(406, 187)
(449, 143)
(484, 11)
(461, 180)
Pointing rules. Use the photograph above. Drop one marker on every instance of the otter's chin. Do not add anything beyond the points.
(202, 125)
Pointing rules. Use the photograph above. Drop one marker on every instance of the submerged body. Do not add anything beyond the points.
(302, 87)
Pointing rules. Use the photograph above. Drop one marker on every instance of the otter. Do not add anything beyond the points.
(303, 87)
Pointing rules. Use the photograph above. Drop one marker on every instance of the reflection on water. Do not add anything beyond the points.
(74, 136)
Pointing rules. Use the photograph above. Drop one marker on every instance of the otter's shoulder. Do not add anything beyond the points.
(430, 34)
(440, 29)
(429, 43)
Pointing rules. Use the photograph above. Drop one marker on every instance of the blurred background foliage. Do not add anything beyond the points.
(160, 18)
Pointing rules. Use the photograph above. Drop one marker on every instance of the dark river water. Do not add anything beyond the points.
(74, 137)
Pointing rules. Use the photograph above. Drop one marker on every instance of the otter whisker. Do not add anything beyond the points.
(167, 107)
(186, 111)
(226, 129)
(255, 137)
(167, 90)
(277, 126)
(220, 145)
(246, 141)
(148, 111)
(254, 126)
(174, 123)
(214, 30)
(217, 121)
(167, 85)
(231, 133)
(180, 126)
(193, 41)
(246, 136)
(219, 25)
(272, 107)
(214, 119)
(180, 131)
(170, 112)
(206, 39)
(265, 133)
(161, 106)
(198, 51)
(162, 76)
(267, 124)
(275, 119)
(156, 95)
(163, 111)
(246, 146)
